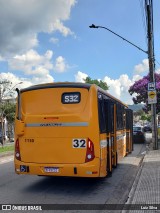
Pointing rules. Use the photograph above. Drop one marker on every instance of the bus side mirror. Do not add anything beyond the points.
(19, 127)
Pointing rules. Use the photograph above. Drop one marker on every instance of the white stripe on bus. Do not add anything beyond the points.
(56, 124)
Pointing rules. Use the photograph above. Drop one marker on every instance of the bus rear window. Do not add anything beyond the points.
(71, 98)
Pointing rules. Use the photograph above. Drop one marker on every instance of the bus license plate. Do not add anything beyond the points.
(51, 169)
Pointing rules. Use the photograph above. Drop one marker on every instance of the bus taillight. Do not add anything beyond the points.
(90, 151)
(17, 150)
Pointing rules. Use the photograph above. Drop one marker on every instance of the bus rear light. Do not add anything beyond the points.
(89, 144)
(90, 151)
(17, 150)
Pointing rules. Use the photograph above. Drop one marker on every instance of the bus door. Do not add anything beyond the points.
(109, 115)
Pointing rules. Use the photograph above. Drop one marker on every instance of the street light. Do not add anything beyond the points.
(94, 26)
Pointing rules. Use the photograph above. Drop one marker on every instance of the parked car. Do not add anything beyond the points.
(147, 128)
(138, 134)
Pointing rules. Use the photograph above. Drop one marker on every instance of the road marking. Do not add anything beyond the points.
(6, 159)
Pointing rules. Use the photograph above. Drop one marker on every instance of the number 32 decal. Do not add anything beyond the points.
(79, 143)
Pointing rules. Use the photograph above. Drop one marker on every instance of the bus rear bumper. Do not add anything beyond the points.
(90, 169)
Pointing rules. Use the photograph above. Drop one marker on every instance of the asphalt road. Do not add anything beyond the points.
(25, 189)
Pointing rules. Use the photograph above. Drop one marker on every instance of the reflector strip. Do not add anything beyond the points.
(56, 124)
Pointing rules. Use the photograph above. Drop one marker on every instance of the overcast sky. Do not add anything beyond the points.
(50, 41)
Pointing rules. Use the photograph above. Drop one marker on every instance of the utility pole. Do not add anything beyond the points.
(149, 15)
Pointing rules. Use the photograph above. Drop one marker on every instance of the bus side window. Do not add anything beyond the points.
(101, 112)
(129, 118)
(109, 115)
(120, 116)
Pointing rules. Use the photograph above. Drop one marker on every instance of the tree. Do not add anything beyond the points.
(140, 115)
(140, 90)
(145, 117)
(100, 83)
(9, 113)
(6, 93)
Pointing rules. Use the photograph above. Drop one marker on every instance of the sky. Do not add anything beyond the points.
(44, 41)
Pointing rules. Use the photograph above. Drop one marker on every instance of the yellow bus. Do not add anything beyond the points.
(70, 129)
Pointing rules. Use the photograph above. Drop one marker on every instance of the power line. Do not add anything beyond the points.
(157, 62)
(142, 6)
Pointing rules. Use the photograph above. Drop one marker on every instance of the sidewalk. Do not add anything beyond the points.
(146, 187)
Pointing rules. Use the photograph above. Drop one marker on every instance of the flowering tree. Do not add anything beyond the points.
(140, 89)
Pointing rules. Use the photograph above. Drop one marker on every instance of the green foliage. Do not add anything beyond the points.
(149, 118)
(100, 83)
(6, 148)
(143, 116)
(9, 111)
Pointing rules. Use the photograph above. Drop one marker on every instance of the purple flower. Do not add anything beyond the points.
(140, 89)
